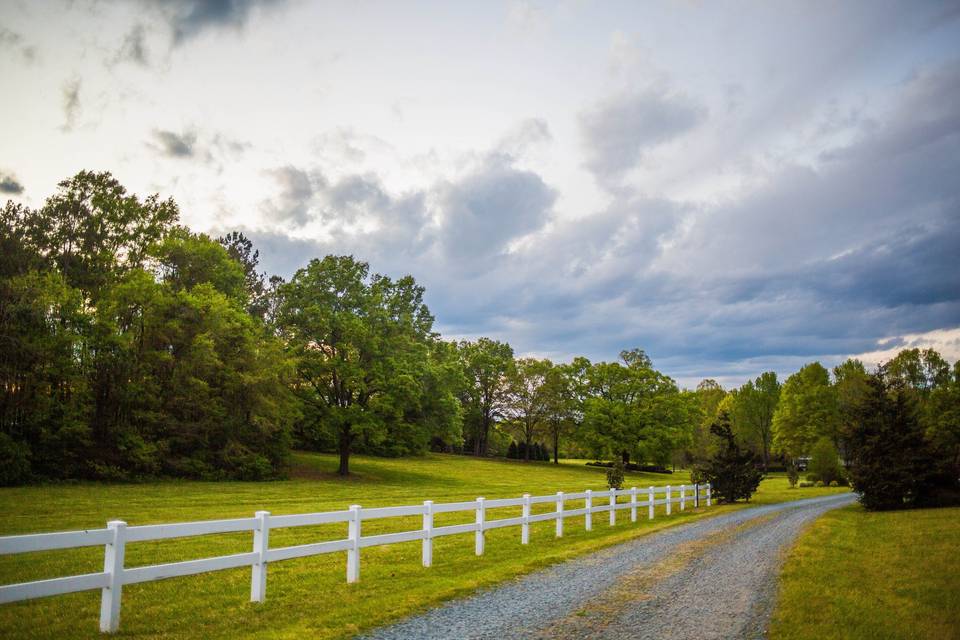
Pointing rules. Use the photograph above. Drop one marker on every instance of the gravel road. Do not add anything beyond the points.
(714, 578)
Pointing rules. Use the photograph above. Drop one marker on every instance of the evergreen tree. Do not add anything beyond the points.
(733, 473)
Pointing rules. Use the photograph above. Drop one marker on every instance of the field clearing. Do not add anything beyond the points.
(310, 595)
(855, 574)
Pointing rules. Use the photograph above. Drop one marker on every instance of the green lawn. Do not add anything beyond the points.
(308, 596)
(856, 574)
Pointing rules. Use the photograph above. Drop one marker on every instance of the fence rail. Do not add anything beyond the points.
(117, 535)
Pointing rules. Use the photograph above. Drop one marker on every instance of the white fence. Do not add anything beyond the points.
(117, 535)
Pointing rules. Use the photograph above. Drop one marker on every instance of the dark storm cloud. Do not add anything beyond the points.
(620, 129)
(175, 145)
(825, 259)
(9, 184)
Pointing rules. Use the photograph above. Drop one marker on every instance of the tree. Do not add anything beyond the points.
(634, 410)
(526, 406)
(240, 249)
(733, 473)
(920, 369)
(709, 394)
(754, 406)
(486, 364)
(560, 404)
(941, 419)
(851, 389)
(807, 410)
(362, 343)
(892, 464)
(92, 231)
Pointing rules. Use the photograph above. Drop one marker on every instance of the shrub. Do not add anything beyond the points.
(793, 475)
(825, 463)
(733, 473)
(804, 485)
(615, 475)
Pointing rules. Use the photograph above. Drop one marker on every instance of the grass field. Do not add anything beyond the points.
(855, 574)
(308, 596)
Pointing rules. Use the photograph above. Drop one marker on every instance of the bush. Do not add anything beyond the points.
(825, 462)
(733, 473)
(892, 465)
(793, 475)
(804, 485)
(615, 475)
(14, 461)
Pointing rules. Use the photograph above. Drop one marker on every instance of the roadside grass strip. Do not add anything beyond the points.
(855, 574)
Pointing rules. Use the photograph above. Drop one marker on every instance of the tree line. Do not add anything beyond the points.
(132, 347)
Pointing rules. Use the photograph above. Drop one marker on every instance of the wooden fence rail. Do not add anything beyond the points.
(117, 535)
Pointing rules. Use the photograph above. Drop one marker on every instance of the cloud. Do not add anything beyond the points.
(293, 202)
(70, 93)
(175, 145)
(9, 184)
(619, 130)
(13, 40)
(134, 47)
(945, 341)
(189, 18)
(494, 204)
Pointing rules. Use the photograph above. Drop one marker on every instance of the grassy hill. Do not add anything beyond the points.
(308, 595)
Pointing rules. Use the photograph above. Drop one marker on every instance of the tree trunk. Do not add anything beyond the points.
(484, 432)
(526, 453)
(556, 447)
(625, 456)
(345, 440)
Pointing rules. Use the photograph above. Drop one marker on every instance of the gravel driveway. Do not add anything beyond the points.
(714, 578)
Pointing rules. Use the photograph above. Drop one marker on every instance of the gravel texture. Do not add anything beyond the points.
(714, 578)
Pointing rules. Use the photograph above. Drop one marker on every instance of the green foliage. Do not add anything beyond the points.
(125, 348)
(793, 474)
(487, 365)
(825, 462)
(753, 409)
(363, 348)
(635, 410)
(807, 411)
(615, 475)
(892, 464)
(941, 419)
(732, 472)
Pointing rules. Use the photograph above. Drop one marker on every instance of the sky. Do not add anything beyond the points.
(733, 187)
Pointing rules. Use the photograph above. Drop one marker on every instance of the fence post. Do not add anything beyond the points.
(261, 542)
(481, 516)
(683, 497)
(696, 495)
(113, 564)
(652, 494)
(668, 499)
(353, 553)
(708, 494)
(633, 504)
(588, 518)
(427, 533)
(525, 524)
(559, 514)
(613, 507)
